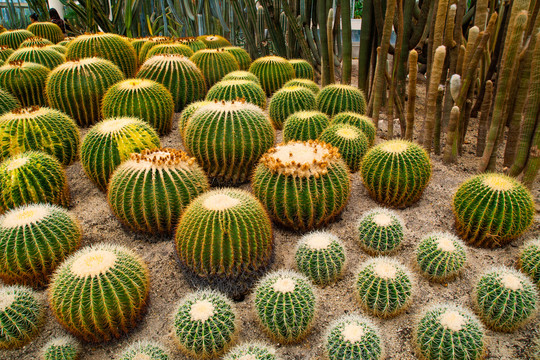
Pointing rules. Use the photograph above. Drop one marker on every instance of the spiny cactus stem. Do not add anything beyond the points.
(450, 150)
(431, 108)
(330, 36)
(483, 122)
(411, 102)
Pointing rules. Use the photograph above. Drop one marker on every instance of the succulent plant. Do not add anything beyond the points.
(362, 122)
(396, 172)
(117, 274)
(349, 140)
(188, 112)
(214, 41)
(353, 337)
(227, 139)
(65, 42)
(35, 41)
(251, 351)
(491, 210)
(150, 43)
(14, 38)
(384, 287)
(214, 64)
(147, 100)
(336, 98)
(308, 84)
(287, 101)
(137, 44)
(321, 256)
(238, 89)
(302, 185)
(449, 332)
(505, 299)
(45, 56)
(69, 90)
(205, 324)
(32, 177)
(529, 260)
(242, 75)
(273, 72)
(6, 52)
(47, 30)
(178, 74)
(8, 102)
(144, 350)
(302, 69)
(111, 47)
(380, 231)
(110, 142)
(170, 48)
(21, 315)
(25, 81)
(241, 56)
(193, 43)
(58, 48)
(304, 125)
(441, 256)
(61, 348)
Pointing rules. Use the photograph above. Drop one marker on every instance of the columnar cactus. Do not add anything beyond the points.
(302, 69)
(384, 287)
(7, 102)
(315, 184)
(47, 30)
(172, 48)
(321, 257)
(491, 210)
(228, 138)
(396, 172)
(21, 316)
(61, 348)
(214, 41)
(350, 141)
(380, 231)
(304, 125)
(187, 113)
(362, 122)
(251, 351)
(32, 177)
(45, 56)
(449, 332)
(529, 260)
(69, 90)
(118, 274)
(193, 43)
(6, 52)
(273, 72)
(241, 56)
(205, 324)
(25, 80)
(147, 100)
(144, 350)
(14, 38)
(505, 299)
(35, 41)
(336, 98)
(287, 101)
(111, 142)
(242, 75)
(441, 256)
(178, 74)
(150, 43)
(238, 89)
(308, 84)
(214, 64)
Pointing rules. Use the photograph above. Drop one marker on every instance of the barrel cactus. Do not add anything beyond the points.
(118, 274)
(287, 101)
(205, 324)
(304, 125)
(241, 56)
(6, 52)
(137, 44)
(25, 80)
(273, 72)
(529, 260)
(380, 231)
(228, 138)
(491, 210)
(172, 48)
(178, 74)
(349, 140)
(252, 351)
(302, 69)
(7, 102)
(69, 90)
(61, 348)
(58, 48)
(238, 89)
(47, 30)
(336, 98)
(35, 41)
(14, 38)
(441, 256)
(193, 43)
(312, 182)
(242, 75)
(188, 112)
(150, 43)
(45, 56)
(144, 350)
(362, 122)
(396, 172)
(214, 64)
(308, 84)
(214, 41)
(147, 100)
(110, 142)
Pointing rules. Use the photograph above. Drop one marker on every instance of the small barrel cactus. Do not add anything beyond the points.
(362, 122)
(380, 231)
(214, 64)
(252, 351)
(287, 101)
(144, 99)
(8, 102)
(241, 56)
(214, 41)
(242, 75)
(273, 72)
(238, 89)
(35, 41)
(321, 257)
(314, 184)
(505, 299)
(25, 80)
(45, 56)
(441, 256)
(349, 140)
(14, 38)
(491, 210)
(304, 125)
(353, 337)
(59, 48)
(150, 43)
(117, 274)
(32, 177)
(193, 43)
(308, 84)
(178, 74)
(144, 350)
(6, 52)
(302, 69)
(529, 260)
(187, 113)
(449, 332)
(69, 90)
(21, 316)
(137, 44)
(205, 324)
(384, 287)
(336, 98)
(110, 142)
(47, 30)
(61, 348)
(396, 172)
(172, 48)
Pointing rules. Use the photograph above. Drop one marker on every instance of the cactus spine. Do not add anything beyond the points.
(380, 231)
(273, 72)
(214, 41)
(362, 122)
(529, 260)
(302, 69)
(62, 348)
(336, 98)
(14, 38)
(308, 84)
(144, 350)
(241, 75)
(47, 30)
(173, 48)
(47, 57)
(253, 351)
(304, 125)
(289, 100)
(25, 80)
(238, 89)
(349, 140)
(7, 102)
(214, 64)
(441, 256)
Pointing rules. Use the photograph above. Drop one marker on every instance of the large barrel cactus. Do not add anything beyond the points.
(45, 56)
(238, 89)
(287, 101)
(362, 122)
(214, 64)
(350, 141)
(336, 98)
(35, 41)
(241, 56)
(149, 44)
(304, 125)
(25, 80)
(214, 41)
(308, 84)
(241, 75)
(169, 48)
(273, 72)
(14, 38)
(302, 69)
(7, 102)
(47, 30)
(187, 113)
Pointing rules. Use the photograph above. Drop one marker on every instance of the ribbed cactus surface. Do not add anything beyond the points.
(336, 98)
(441, 256)
(273, 72)
(62, 348)
(242, 75)
(253, 351)
(14, 38)
(241, 56)
(302, 69)
(349, 140)
(529, 260)
(193, 43)
(7, 102)
(238, 89)
(308, 84)
(47, 30)
(35, 41)
(287, 101)
(59, 48)
(304, 125)
(144, 350)
(214, 41)
(5, 52)
(214, 64)
(353, 337)
(45, 56)
(362, 122)
(172, 48)
(151, 43)
(187, 113)
(25, 80)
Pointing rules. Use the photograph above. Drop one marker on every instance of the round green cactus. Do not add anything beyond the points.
(32, 177)
(117, 274)
(144, 350)
(505, 299)
(362, 122)
(529, 260)
(396, 172)
(308, 84)
(14, 38)
(69, 90)
(35, 41)
(304, 125)
(39, 128)
(313, 181)
(449, 332)
(228, 138)
(47, 30)
(6, 52)
(302, 69)
(214, 64)
(214, 41)
(61, 348)
(336, 98)
(7, 102)
(287, 101)
(110, 47)
(25, 80)
(187, 113)
(285, 305)
(149, 44)
(144, 99)
(137, 45)
(441, 256)
(384, 287)
(110, 142)
(241, 56)
(350, 141)
(321, 257)
(58, 48)
(380, 232)
(491, 210)
(21, 316)
(353, 337)
(238, 89)
(273, 72)
(179, 75)
(65, 42)
(205, 324)
(45, 56)
(193, 43)
(242, 75)
(252, 351)
(172, 48)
